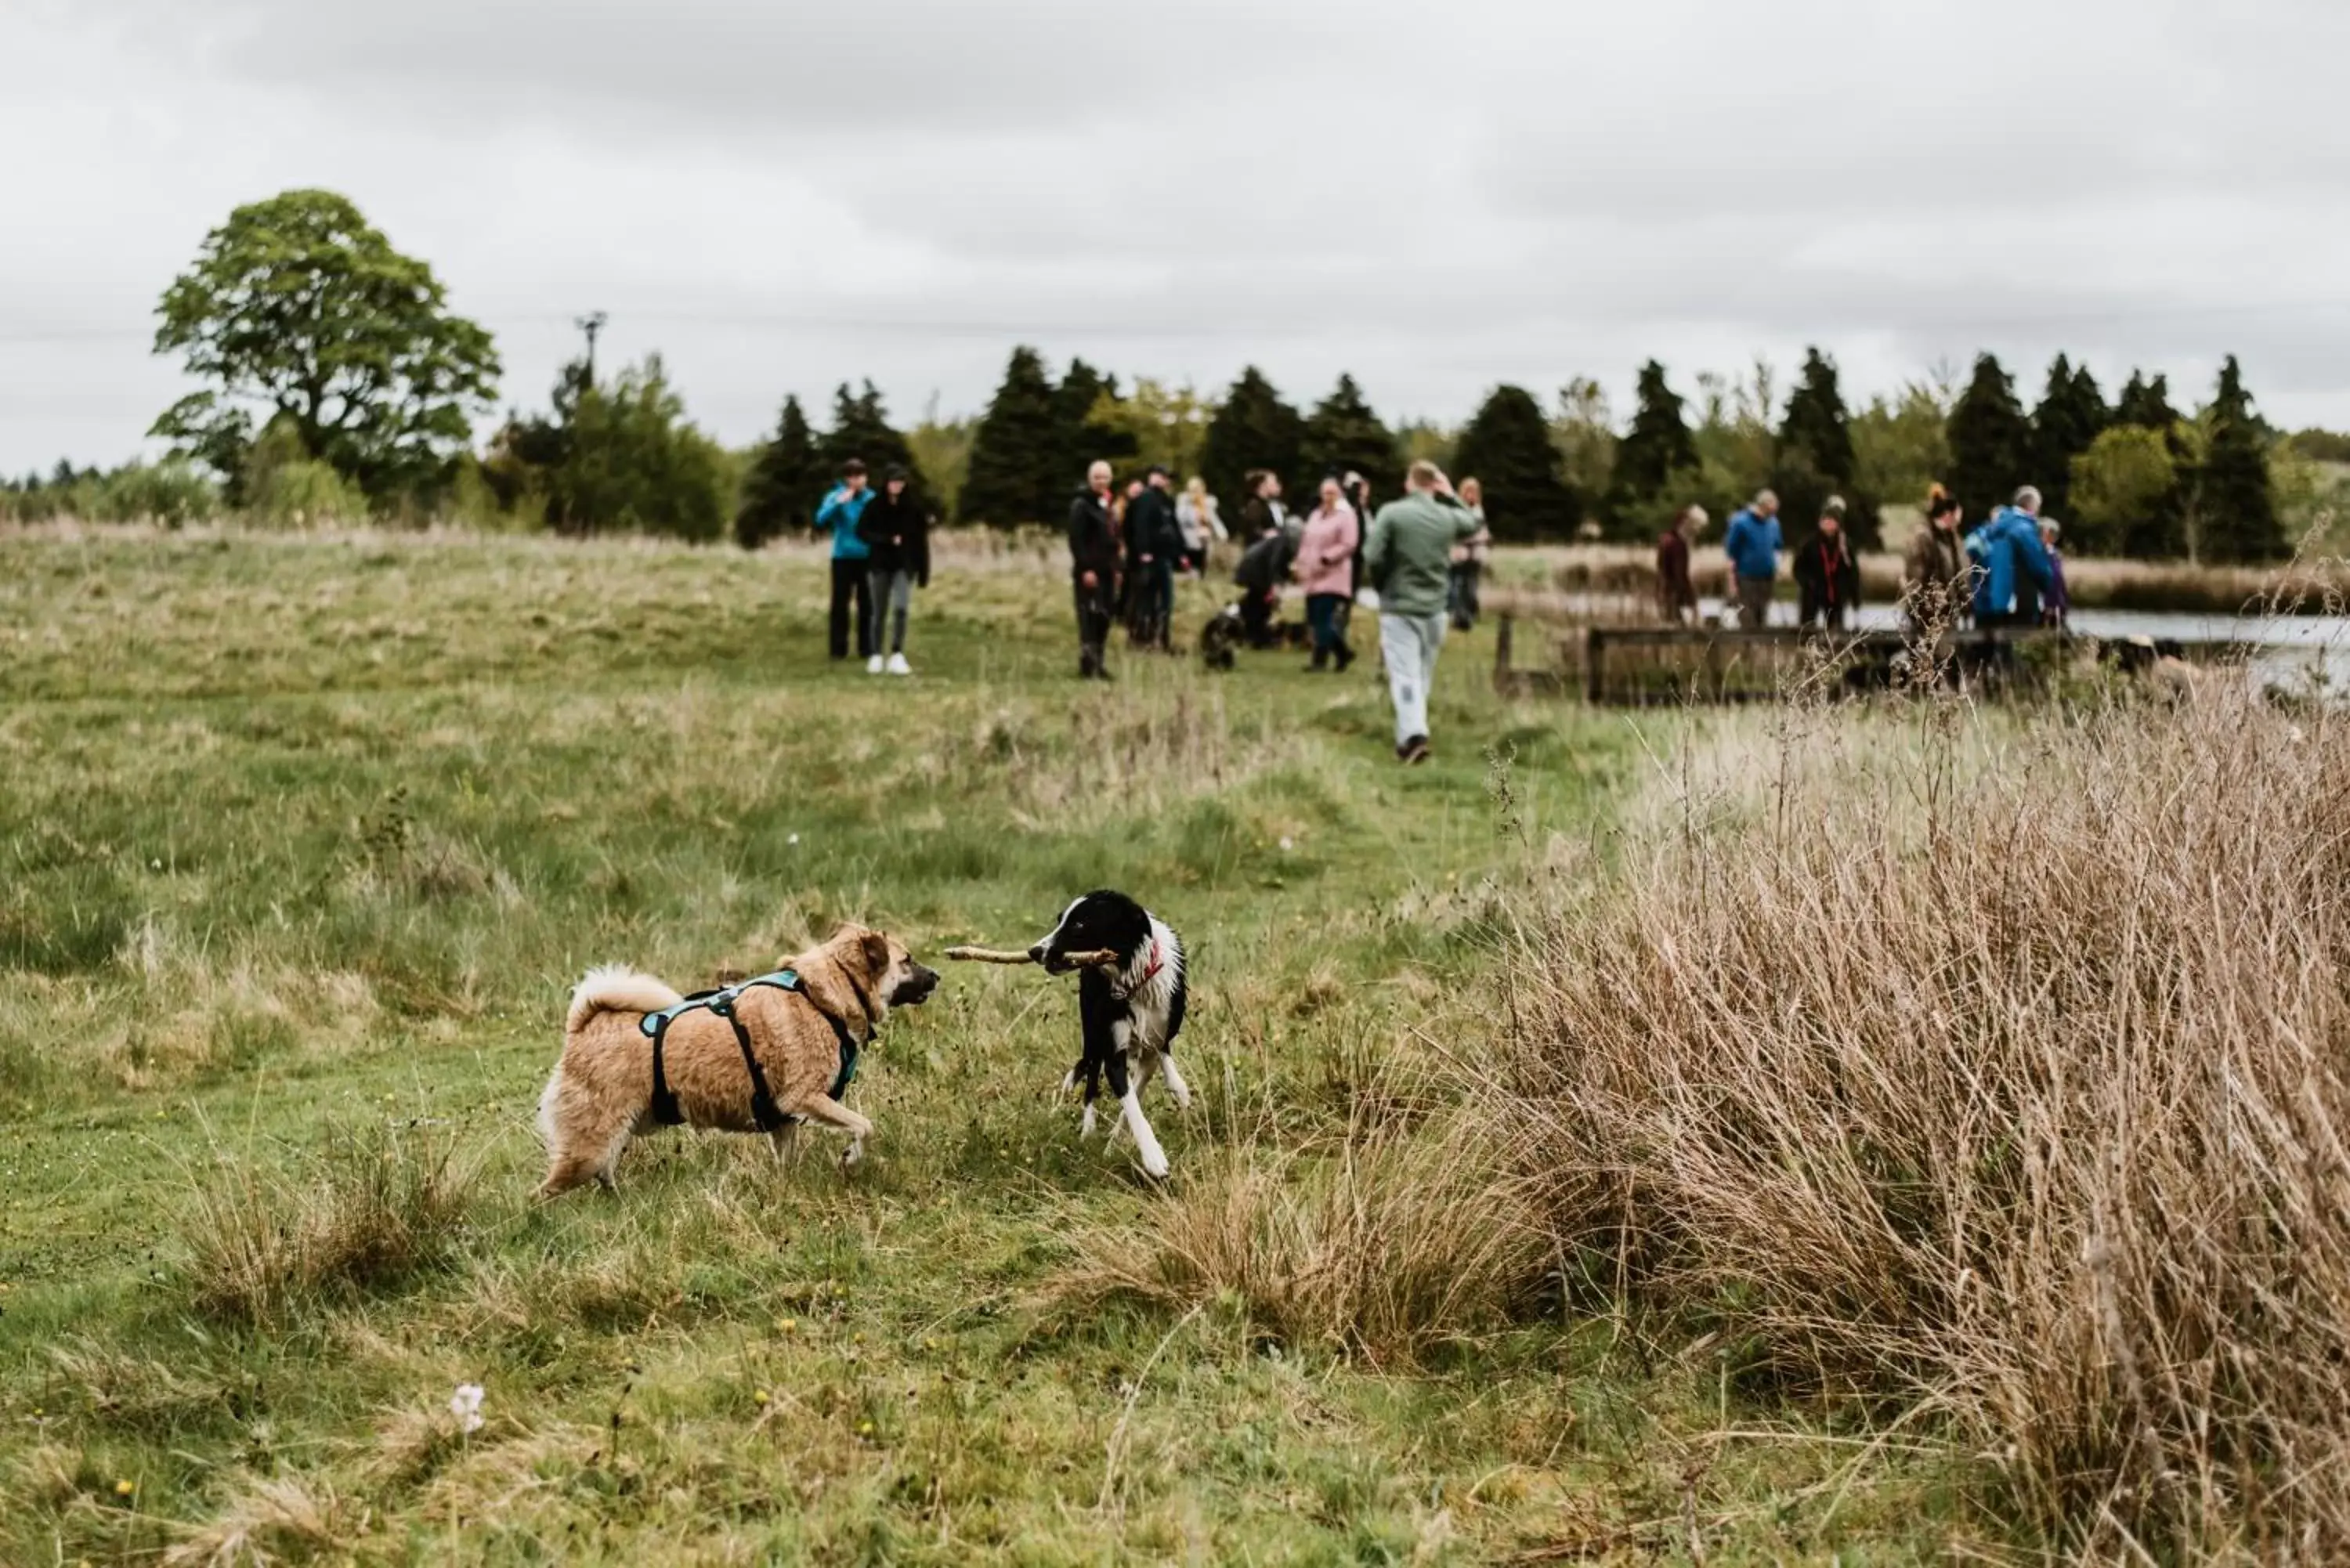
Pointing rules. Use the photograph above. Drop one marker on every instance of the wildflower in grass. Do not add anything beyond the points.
(124, 1488)
(465, 1403)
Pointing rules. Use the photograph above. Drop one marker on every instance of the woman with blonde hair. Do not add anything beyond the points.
(1195, 515)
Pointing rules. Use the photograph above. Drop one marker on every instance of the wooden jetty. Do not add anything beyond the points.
(1654, 665)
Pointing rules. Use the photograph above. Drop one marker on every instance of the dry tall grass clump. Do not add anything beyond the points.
(2002, 1073)
(376, 1205)
(1380, 1247)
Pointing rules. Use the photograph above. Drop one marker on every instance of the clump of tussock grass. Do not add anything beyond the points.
(1380, 1246)
(395, 852)
(374, 1206)
(2001, 1074)
(274, 1519)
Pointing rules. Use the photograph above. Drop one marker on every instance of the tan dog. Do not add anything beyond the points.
(604, 1092)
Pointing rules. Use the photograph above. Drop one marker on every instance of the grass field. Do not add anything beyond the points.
(305, 843)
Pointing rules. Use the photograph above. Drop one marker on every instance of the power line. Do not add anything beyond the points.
(1925, 320)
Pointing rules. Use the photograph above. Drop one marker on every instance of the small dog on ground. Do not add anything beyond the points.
(1129, 1013)
(759, 1057)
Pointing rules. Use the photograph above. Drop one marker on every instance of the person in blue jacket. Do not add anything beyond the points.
(1754, 543)
(851, 556)
(2011, 565)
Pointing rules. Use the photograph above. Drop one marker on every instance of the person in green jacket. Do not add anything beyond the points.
(1410, 560)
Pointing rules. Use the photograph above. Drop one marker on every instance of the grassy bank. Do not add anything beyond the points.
(307, 839)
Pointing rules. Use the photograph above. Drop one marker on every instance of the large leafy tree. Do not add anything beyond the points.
(1253, 429)
(1656, 455)
(2070, 415)
(1019, 456)
(2239, 509)
(2126, 477)
(1153, 424)
(1991, 440)
(298, 307)
(1507, 448)
(1813, 458)
(1343, 433)
(617, 457)
(780, 491)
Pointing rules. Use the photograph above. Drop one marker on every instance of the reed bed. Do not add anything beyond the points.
(1994, 1081)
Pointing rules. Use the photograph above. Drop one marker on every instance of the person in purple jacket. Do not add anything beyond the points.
(2056, 603)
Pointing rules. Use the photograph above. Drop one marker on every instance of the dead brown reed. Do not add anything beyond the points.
(1393, 1240)
(2001, 1074)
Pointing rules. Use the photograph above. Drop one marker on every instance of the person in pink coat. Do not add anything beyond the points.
(1326, 570)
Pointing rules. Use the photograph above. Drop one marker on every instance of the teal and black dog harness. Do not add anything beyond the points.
(764, 1112)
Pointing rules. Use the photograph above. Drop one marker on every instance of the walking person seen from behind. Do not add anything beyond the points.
(839, 516)
(1093, 570)
(898, 535)
(1469, 560)
(1326, 570)
(1753, 543)
(1827, 575)
(1410, 561)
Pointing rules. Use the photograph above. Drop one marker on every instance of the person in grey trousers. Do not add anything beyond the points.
(895, 529)
(1410, 560)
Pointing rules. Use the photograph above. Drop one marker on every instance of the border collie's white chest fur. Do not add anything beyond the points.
(1148, 985)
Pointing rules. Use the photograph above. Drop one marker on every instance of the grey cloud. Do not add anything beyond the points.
(785, 196)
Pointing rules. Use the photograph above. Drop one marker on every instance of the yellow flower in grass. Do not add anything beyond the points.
(124, 1488)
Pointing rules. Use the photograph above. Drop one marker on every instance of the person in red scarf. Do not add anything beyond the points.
(1827, 573)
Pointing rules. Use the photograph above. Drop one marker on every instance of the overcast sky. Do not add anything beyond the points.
(1439, 197)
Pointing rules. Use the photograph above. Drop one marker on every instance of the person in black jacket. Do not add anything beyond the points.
(1264, 567)
(1154, 544)
(1093, 569)
(899, 536)
(1827, 573)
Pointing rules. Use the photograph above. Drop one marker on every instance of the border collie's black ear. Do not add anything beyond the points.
(876, 953)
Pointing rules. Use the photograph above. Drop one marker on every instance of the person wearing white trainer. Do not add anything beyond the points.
(897, 532)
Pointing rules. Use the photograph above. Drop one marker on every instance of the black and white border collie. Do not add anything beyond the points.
(1129, 1013)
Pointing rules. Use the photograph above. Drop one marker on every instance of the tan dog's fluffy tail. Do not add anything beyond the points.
(616, 988)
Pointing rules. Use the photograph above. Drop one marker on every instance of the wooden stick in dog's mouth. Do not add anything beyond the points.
(1073, 960)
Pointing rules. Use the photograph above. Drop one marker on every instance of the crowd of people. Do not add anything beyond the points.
(1416, 560)
(2007, 572)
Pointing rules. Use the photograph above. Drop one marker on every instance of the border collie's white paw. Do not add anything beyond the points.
(1085, 1127)
(1154, 1164)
